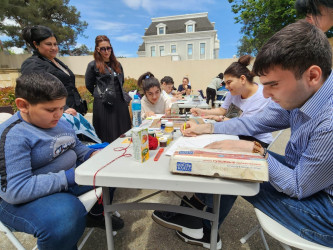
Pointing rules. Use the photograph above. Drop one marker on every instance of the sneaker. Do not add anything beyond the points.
(99, 222)
(203, 242)
(187, 224)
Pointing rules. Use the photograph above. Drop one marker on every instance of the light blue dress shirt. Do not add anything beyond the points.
(309, 152)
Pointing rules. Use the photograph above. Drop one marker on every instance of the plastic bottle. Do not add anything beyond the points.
(168, 131)
(136, 111)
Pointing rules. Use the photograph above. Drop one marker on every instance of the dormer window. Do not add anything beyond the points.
(161, 29)
(190, 26)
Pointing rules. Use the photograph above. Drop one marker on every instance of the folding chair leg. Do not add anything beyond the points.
(11, 237)
(85, 238)
(249, 234)
(263, 238)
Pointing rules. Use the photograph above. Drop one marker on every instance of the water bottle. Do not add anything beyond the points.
(136, 111)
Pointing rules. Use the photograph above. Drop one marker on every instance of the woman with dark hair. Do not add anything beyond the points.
(245, 97)
(153, 102)
(318, 12)
(184, 86)
(105, 79)
(44, 43)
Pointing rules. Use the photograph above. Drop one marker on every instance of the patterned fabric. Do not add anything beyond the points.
(81, 126)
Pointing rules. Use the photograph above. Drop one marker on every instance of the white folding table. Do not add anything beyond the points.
(155, 175)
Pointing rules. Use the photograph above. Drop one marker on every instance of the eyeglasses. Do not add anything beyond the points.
(104, 49)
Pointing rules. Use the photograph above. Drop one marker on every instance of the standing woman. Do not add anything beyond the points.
(104, 80)
(44, 43)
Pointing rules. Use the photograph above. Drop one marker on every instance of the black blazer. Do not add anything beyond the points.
(94, 78)
(38, 63)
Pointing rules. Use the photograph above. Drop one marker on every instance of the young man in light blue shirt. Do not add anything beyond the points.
(295, 68)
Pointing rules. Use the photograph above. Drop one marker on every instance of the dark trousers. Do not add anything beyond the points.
(211, 94)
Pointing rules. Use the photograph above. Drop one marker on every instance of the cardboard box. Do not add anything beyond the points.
(140, 144)
(218, 163)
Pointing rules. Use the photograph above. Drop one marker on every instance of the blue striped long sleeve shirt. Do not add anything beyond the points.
(309, 152)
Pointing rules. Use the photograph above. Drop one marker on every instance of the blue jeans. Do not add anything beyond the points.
(57, 220)
(310, 218)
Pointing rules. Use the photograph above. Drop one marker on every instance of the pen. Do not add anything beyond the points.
(159, 153)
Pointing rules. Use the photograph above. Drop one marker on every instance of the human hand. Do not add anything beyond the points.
(213, 117)
(168, 111)
(149, 113)
(194, 129)
(93, 153)
(71, 111)
(232, 145)
(196, 111)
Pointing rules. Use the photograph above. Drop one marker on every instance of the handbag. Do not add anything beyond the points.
(108, 96)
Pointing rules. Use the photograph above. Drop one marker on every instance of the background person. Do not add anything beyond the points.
(212, 87)
(184, 86)
(152, 102)
(318, 12)
(105, 80)
(244, 99)
(38, 193)
(167, 85)
(44, 43)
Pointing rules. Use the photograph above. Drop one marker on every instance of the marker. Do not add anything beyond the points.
(159, 153)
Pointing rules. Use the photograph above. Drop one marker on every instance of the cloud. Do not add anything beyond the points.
(152, 6)
(17, 50)
(133, 37)
(10, 22)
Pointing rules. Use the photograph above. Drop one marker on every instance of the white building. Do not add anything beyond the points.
(184, 37)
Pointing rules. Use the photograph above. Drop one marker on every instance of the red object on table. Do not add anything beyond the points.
(159, 153)
(153, 142)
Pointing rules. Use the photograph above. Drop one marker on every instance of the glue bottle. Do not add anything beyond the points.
(168, 130)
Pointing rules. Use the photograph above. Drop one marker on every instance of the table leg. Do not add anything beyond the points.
(214, 229)
(108, 222)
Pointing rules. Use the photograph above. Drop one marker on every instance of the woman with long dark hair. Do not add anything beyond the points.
(45, 49)
(105, 79)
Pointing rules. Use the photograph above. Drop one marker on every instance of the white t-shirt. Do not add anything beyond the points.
(238, 107)
(166, 95)
(158, 108)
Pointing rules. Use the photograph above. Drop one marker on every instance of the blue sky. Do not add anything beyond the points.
(124, 21)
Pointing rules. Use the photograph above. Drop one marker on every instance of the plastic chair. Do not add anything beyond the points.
(88, 199)
(285, 237)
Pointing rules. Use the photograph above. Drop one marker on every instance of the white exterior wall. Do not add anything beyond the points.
(181, 41)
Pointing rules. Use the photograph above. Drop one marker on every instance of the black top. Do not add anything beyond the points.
(38, 63)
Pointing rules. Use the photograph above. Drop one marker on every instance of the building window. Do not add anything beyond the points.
(189, 51)
(173, 48)
(152, 51)
(161, 31)
(161, 50)
(190, 26)
(202, 50)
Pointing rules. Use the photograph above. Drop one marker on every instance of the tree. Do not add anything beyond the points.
(81, 51)
(261, 19)
(64, 20)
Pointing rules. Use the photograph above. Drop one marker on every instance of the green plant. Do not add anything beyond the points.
(86, 95)
(130, 84)
(7, 97)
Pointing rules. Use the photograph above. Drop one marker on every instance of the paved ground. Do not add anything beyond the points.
(141, 232)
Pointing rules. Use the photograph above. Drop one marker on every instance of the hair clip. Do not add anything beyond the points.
(147, 77)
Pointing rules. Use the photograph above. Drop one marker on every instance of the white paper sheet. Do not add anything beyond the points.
(198, 141)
